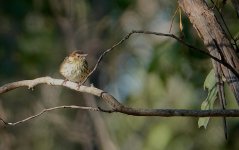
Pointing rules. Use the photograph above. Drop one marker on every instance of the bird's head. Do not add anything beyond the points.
(77, 55)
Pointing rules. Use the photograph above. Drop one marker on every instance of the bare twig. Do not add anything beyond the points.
(104, 53)
(227, 29)
(111, 101)
(193, 48)
(173, 18)
(227, 65)
(221, 94)
(47, 110)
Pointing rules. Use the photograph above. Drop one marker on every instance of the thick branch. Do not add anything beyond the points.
(116, 106)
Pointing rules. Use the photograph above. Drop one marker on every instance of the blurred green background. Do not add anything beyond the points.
(146, 71)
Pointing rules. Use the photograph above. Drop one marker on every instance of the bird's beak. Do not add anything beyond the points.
(84, 55)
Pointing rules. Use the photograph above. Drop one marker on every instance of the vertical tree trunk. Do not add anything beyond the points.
(214, 38)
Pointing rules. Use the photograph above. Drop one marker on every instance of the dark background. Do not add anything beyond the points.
(146, 71)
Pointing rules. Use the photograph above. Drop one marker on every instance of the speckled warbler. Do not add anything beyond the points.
(75, 67)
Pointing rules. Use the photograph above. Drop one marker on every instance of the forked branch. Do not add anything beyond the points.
(115, 105)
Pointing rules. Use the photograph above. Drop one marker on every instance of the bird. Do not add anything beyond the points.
(75, 67)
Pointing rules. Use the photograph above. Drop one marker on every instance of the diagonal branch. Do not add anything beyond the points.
(226, 26)
(223, 62)
(48, 110)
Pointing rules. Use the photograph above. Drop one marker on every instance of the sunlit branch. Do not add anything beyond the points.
(115, 105)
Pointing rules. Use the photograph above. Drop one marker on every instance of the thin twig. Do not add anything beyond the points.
(171, 24)
(221, 94)
(219, 50)
(227, 29)
(48, 110)
(191, 47)
(160, 34)
(104, 53)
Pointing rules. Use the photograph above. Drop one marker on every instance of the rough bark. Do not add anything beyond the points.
(214, 38)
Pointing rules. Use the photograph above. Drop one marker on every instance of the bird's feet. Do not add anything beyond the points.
(78, 86)
(64, 82)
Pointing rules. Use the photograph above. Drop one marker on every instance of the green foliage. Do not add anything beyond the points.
(210, 85)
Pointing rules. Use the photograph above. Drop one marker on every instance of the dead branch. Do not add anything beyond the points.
(223, 62)
(48, 110)
(115, 105)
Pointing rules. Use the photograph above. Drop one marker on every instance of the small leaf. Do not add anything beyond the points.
(210, 80)
(203, 122)
(207, 104)
(180, 20)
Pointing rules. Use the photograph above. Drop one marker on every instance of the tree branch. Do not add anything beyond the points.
(223, 62)
(48, 110)
(111, 101)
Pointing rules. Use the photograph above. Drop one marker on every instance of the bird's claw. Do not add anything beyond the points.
(78, 86)
(64, 82)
